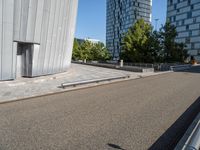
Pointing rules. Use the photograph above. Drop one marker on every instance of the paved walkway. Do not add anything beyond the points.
(29, 87)
(131, 115)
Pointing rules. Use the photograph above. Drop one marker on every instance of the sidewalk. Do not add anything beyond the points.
(31, 87)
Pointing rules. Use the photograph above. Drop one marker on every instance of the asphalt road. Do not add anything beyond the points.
(152, 113)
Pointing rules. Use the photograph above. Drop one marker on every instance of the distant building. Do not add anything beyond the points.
(36, 37)
(95, 41)
(121, 15)
(185, 15)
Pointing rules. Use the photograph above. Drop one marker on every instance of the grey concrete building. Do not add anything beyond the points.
(36, 37)
(121, 15)
(185, 15)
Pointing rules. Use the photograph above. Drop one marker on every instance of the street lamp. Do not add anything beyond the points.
(156, 22)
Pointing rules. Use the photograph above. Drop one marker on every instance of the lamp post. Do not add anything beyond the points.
(156, 24)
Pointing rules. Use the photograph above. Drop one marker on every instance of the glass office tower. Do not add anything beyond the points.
(185, 15)
(121, 15)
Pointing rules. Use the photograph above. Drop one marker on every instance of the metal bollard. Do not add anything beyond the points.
(121, 63)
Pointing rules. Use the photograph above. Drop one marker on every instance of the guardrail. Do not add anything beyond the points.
(191, 140)
(117, 66)
(74, 84)
(137, 67)
(180, 67)
(194, 142)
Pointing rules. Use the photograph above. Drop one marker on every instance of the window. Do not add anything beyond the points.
(192, 7)
(194, 20)
(189, 15)
(198, 52)
(183, 22)
(192, 45)
(171, 2)
(190, 33)
(187, 40)
(187, 27)
(174, 18)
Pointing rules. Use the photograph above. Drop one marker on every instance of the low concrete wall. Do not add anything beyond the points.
(116, 66)
(137, 69)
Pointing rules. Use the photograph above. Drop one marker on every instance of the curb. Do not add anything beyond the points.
(81, 87)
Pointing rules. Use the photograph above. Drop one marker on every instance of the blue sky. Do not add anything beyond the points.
(91, 20)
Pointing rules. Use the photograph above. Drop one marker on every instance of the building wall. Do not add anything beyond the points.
(185, 15)
(7, 60)
(44, 28)
(121, 15)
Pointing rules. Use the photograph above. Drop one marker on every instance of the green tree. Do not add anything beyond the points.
(76, 50)
(100, 52)
(85, 50)
(142, 44)
(136, 45)
(172, 51)
(181, 53)
(90, 51)
(153, 48)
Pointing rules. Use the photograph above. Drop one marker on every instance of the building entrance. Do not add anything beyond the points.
(24, 59)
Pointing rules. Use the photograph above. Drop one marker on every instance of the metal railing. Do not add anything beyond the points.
(156, 66)
(74, 84)
(191, 139)
(180, 67)
(194, 141)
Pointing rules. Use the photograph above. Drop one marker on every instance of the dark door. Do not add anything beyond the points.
(24, 59)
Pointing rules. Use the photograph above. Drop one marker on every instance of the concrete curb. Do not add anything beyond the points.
(81, 87)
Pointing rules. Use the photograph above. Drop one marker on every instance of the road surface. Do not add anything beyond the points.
(138, 114)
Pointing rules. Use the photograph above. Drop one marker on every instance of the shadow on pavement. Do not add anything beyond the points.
(115, 146)
(173, 135)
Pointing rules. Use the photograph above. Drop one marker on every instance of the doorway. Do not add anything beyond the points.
(24, 59)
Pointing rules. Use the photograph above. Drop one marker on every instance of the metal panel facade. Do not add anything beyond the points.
(121, 15)
(41, 31)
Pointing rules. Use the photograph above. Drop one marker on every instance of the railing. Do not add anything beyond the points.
(180, 67)
(191, 139)
(141, 65)
(74, 84)
(194, 141)
(156, 66)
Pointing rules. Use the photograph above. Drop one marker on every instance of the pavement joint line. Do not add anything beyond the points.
(80, 88)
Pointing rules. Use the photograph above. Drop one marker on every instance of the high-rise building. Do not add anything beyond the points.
(185, 15)
(36, 37)
(121, 15)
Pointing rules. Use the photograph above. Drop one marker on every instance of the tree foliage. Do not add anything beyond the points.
(90, 51)
(142, 44)
(172, 51)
